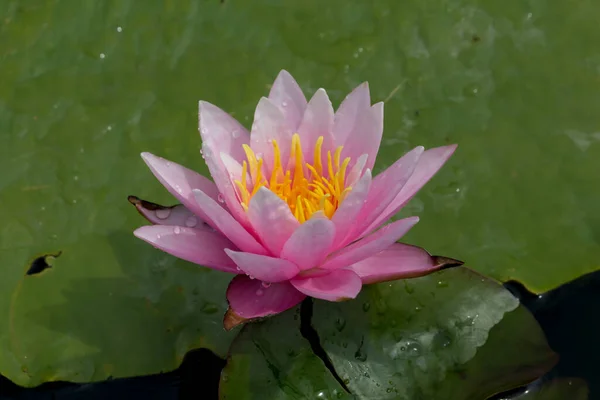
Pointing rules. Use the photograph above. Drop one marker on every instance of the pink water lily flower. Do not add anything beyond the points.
(294, 210)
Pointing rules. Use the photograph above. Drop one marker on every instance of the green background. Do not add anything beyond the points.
(87, 86)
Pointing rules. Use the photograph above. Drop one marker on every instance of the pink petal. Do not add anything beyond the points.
(180, 181)
(288, 97)
(317, 121)
(371, 244)
(228, 193)
(271, 219)
(399, 261)
(249, 299)
(338, 285)
(222, 132)
(264, 268)
(365, 136)
(161, 215)
(225, 223)
(269, 124)
(310, 243)
(357, 170)
(233, 168)
(384, 189)
(356, 103)
(429, 163)
(345, 216)
(198, 246)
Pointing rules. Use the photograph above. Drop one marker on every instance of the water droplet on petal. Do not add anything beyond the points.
(266, 285)
(259, 156)
(201, 151)
(163, 213)
(203, 130)
(177, 230)
(158, 236)
(191, 222)
(250, 276)
(238, 268)
(178, 188)
(259, 292)
(284, 103)
(220, 198)
(235, 134)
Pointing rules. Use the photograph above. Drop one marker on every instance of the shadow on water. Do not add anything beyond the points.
(567, 314)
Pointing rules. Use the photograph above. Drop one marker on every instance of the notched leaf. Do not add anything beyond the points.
(42, 263)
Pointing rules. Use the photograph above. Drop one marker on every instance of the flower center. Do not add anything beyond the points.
(306, 188)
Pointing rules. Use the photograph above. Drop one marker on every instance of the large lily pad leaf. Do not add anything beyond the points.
(82, 97)
(453, 335)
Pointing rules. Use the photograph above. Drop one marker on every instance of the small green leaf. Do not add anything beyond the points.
(453, 335)
(271, 360)
(425, 338)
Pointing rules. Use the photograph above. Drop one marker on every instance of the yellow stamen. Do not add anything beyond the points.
(306, 188)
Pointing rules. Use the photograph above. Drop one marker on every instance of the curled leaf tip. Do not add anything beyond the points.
(231, 320)
(446, 262)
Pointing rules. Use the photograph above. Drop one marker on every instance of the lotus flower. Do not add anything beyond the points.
(294, 210)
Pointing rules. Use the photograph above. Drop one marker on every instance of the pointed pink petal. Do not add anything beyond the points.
(317, 121)
(310, 243)
(288, 97)
(233, 169)
(271, 219)
(225, 223)
(357, 102)
(264, 268)
(198, 246)
(269, 124)
(180, 181)
(370, 245)
(222, 132)
(399, 261)
(345, 216)
(228, 193)
(365, 136)
(249, 299)
(357, 170)
(338, 285)
(384, 189)
(161, 215)
(429, 163)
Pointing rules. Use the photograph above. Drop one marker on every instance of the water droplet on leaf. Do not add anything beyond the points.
(340, 324)
(366, 306)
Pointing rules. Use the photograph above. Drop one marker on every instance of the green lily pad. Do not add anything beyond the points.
(453, 335)
(82, 97)
(271, 360)
(557, 389)
(123, 310)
